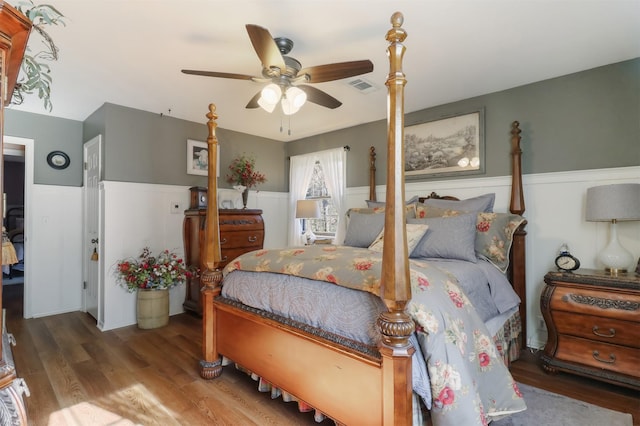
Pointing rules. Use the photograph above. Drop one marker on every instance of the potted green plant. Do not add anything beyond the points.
(35, 74)
(244, 175)
(151, 277)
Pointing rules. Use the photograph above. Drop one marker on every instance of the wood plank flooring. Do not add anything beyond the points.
(79, 375)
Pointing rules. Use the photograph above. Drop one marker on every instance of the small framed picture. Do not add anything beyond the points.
(197, 158)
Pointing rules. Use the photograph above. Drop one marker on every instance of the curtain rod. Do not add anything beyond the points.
(346, 148)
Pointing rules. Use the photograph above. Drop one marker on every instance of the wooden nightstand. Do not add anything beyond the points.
(593, 320)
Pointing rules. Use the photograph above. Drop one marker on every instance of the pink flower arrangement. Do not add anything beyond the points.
(243, 172)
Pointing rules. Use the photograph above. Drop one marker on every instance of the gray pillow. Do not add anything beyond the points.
(450, 237)
(374, 204)
(363, 229)
(481, 203)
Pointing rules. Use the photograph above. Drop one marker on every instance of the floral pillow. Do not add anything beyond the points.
(494, 235)
(415, 232)
(424, 211)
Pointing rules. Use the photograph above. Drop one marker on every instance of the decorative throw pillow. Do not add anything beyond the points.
(494, 235)
(410, 211)
(448, 238)
(415, 232)
(423, 211)
(481, 203)
(374, 204)
(363, 228)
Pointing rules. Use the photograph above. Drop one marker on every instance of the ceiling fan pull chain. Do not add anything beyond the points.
(280, 124)
(289, 125)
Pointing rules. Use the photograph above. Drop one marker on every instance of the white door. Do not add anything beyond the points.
(92, 243)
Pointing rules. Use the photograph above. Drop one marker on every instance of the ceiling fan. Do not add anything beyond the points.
(284, 75)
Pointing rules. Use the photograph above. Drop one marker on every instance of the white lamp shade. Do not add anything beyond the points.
(271, 93)
(266, 106)
(296, 96)
(307, 209)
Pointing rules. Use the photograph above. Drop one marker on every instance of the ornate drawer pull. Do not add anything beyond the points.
(611, 360)
(223, 241)
(612, 332)
(224, 258)
(252, 239)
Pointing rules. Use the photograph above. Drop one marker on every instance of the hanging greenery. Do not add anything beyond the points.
(35, 75)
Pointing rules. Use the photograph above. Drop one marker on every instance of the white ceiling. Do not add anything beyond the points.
(130, 52)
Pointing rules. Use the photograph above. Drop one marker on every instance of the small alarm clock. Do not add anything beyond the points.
(566, 261)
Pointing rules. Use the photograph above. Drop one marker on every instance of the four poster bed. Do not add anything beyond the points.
(363, 334)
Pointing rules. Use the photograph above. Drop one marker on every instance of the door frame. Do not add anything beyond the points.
(85, 246)
(28, 202)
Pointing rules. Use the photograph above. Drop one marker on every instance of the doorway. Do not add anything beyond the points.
(18, 180)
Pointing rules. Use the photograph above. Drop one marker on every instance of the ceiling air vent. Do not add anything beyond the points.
(362, 85)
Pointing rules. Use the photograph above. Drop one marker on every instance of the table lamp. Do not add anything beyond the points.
(307, 209)
(613, 203)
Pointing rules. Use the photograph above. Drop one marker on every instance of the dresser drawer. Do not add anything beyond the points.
(251, 238)
(590, 302)
(240, 221)
(230, 254)
(619, 359)
(603, 329)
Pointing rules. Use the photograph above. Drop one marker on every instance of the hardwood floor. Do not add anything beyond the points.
(79, 375)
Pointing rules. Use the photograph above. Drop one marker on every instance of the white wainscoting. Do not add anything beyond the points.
(136, 215)
(53, 259)
(555, 206)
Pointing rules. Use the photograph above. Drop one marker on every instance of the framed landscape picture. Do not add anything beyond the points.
(450, 145)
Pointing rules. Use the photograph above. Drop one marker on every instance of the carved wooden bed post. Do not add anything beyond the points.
(396, 325)
(372, 173)
(211, 276)
(518, 275)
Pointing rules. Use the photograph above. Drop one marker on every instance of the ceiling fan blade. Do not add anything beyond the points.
(265, 47)
(337, 71)
(319, 97)
(253, 103)
(219, 74)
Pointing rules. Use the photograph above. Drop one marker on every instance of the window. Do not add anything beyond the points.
(317, 190)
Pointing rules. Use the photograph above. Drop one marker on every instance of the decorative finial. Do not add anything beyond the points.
(397, 19)
(397, 34)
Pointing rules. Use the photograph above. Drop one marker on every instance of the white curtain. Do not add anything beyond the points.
(333, 163)
(300, 172)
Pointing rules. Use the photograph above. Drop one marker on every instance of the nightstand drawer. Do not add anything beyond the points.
(598, 328)
(619, 359)
(603, 304)
(250, 238)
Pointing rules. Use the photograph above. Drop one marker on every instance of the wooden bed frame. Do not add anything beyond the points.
(346, 385)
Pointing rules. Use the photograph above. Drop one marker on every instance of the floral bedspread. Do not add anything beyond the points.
(470, 385)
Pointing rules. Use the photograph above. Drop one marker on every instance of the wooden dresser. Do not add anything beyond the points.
(241, 231)
(593, 320)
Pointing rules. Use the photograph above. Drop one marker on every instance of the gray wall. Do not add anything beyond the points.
(140, 146)
(587, 120)
(49, 134)
(582, 121)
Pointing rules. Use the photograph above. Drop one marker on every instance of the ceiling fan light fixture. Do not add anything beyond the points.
(296, 96)
(271, 94)
(288, 106)
(266, 106)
